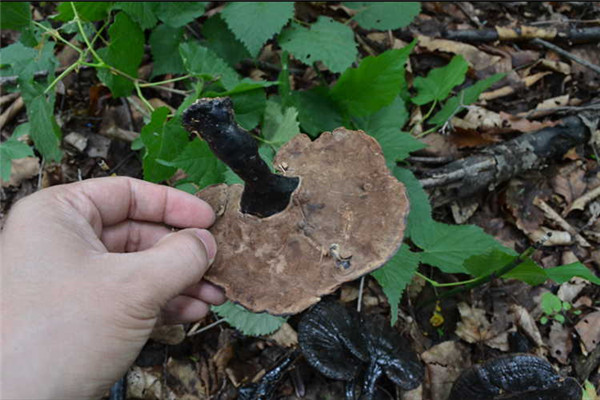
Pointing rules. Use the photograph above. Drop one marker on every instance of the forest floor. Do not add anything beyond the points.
(500, 317)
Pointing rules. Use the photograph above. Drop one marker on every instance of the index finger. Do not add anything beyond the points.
(117, 199)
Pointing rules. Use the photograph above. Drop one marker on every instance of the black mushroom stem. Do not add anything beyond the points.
(265, 193)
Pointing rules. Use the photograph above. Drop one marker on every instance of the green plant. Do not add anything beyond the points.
(554, 308)
(369, 93)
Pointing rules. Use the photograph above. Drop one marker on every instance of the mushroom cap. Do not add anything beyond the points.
(345, 219)
(514, 376)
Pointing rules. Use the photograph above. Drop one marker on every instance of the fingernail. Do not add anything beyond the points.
(209, 243)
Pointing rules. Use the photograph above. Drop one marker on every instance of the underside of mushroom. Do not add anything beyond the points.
(344, 215)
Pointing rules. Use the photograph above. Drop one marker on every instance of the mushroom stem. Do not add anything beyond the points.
(371, 376)
(265, 193)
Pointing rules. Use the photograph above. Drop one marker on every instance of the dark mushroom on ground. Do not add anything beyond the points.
(342, 345)
(331, 214)
(266, 386)
(516, 377)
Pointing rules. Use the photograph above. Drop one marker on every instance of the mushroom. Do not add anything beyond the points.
(517, 377)
(331, 213)
(339, 343)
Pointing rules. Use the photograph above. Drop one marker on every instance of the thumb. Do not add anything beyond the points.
(174, 263)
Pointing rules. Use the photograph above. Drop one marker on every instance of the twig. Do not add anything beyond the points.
(193, 332)
(40, 174)
(11, 111)
(361, 287)
(565, 53)
(8, 98)
(582, 201)
(558, 220)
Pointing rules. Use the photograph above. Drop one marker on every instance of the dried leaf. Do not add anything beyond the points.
(588, 329)
(444, 363)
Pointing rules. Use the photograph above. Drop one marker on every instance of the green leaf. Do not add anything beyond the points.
(253, 23)
(179, 13)
(440, 81)
(395, 275)
(589, 392)
(528, 272)
(17, 59)
(386, 126)
(44, 130)
(163, 141)
(564, 273)
(374, 84)
(384, 15)
(161, 45)
(544, 320)
(317, 112)
(249, 323)
(326, 40)
(87, 11)
(15, 15)
(419, 218)
(141, 12)
(12, 149)
(448, 246)
(559, 318)
(222, 41)
(199, 163)
(203, 62)
(279, 125)
(465, 97)
(488, 262)
(124, 53)
(249, 107)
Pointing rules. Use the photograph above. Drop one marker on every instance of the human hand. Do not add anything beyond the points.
(88, 269)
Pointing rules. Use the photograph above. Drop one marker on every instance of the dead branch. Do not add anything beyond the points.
(499, 163)
(582, 35)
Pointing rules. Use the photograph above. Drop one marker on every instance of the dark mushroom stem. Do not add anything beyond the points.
(265, 193)
(374, 371)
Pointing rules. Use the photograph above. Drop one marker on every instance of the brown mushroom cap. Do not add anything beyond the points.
(345, 219)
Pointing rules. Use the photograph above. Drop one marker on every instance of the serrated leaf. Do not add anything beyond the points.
(395, 275)
(44, 130)
(141, 12)
(203, 62)
(249, 323)
(488, 262)
(419, 217)
(87, 11)
(326, 40)
(386, 126)
(253, 23)
(317, 112)
(222, 41)
(17, 59)
(163, 141)
(199, 163)
(528, 272)
(161, 45)
(465, 97)
(384, 15)
(440, 81)
(124, 52)
(279, 125)
(448, 246)
(374, 84)
(15, 15)
(179, 13)
(12, 149)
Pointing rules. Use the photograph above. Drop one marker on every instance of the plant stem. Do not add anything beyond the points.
(60, 77)
(82, 33)
(438, 284)
(57, 36)
(427, 115)
(138, 90)
(179, 78)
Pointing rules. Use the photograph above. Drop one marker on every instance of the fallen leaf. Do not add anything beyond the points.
(569, 183)
(588, 329)
(559, 342)
(184, 379)
(22, 169)
(569, 291)
(476, 58)
(525, 321)
(285, 336)
(168, 334)
(474, 327)
(145, 384)
(444, 363)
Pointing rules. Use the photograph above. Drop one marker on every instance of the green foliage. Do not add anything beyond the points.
(124, 53)
(14, 15)
(374, 84)
(279, 125)
(141, 12)
(253, 23)
(178, 13)
(222, 41)
(163, 142)
(554, 308)
(87, 11)
(12, 149)
(395, 275)
(384, 15)
(249, 323)
(326, 40)
(440, 81)
(204, 63)
(317, 111)
(166, 61)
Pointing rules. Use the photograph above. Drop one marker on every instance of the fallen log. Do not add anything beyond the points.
(576, 35)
